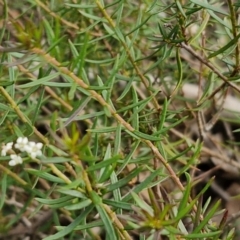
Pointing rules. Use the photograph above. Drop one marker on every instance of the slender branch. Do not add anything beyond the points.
(21, 115)
(139, 73)
(65, 22)
(118, 225)
(208, 64)
(13, 175)
(37, 133)
(49, 59)
(55, 170)
(234, 31)
(116, 222)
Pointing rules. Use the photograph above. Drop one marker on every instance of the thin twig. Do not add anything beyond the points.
(65, 22)
(208, 64)
(15, 107)
(139, 73)
(235, 33)
(101, 100)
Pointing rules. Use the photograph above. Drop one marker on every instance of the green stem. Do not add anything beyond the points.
(15, 107)
(234, 31)
(139, 73)
(13, 175)
(49, 59)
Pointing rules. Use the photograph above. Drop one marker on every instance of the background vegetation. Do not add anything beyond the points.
(137, 106)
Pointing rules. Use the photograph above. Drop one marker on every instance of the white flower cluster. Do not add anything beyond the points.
(23, 145)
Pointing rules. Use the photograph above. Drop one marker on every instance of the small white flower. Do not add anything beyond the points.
(15, 159)
(6, 148)
(22, 143)
(34, 149)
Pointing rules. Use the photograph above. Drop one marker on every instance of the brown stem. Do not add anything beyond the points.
(208, 64)
(101, 100)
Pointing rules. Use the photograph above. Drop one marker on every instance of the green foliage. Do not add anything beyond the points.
(100, 85)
